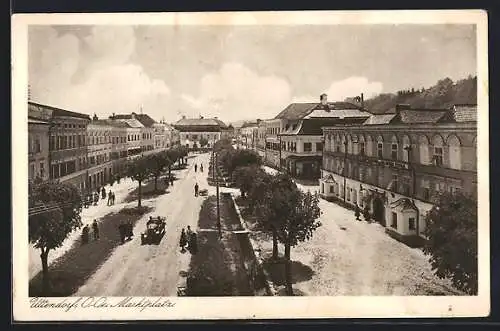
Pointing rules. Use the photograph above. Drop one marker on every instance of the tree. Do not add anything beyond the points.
(203, 142)
(244, 178)
(139, 170)
(173, 156)
(452, 240)
(299, 225)
(57, 212)
(157, 164)
(242, 158)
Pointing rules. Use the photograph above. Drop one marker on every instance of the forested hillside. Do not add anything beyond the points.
(442, 95)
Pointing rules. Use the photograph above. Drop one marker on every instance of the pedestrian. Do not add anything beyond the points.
(103, 192)
(189, 232)
(110, 197)
(366, 213)
(201, 167)
(96, 198)
(193, 244)
(85, 235)
(171, 180)
(195, 167)
(183, 240)
(357, 213)
(95, 229)
(196, 190)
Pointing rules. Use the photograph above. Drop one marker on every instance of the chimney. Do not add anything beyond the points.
(183, 117)
(362, 101)
(323, 99)
(133, 115)
(402, 106)
(95, 118)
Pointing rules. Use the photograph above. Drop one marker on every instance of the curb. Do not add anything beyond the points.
(269, 287)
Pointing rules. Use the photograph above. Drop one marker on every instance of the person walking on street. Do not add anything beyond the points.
(112, 198)
(85, 234)
(195, 167)
(96, 198)
(171, 181)
(201, 167)
(189, 232)
(103, 193)
(196, 190)
(357, 213)
(183, 240)
(95, 229)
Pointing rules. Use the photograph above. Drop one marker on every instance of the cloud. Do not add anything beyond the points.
(235, 92)
(110, 84)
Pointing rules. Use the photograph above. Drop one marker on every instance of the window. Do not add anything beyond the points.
(37, 145)
(394, 151)
(395, 183)
(406, 149)
(307, 147)
(361, 148)
(427, 193)
(454, 152)
(331, 188)
(32, 170)
(380, 154)
(348, 190)
(394, 223)
(438, 156)
(42, 170)
(52, 143)
(411, 223)
(319, 147)
(424, 150)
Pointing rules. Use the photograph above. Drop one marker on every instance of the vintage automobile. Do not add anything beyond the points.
(203, 192)
(155, 230)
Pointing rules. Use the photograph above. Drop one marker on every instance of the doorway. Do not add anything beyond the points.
(379, 210)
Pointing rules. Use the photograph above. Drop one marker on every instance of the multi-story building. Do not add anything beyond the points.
(227, 132)
(162, 136)
(146, 135)
(261, 137)
(67, 143)
(38, 149)
(294, 136)
(396, 163)
(99, 149)
(193, 130)
(118, 146)
(134, 134)
(249, 134)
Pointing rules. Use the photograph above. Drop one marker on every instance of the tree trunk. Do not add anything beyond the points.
(156, 183)
(275, 244)
(169, 172)
(140, 193)
(45, 270)
(288, 269)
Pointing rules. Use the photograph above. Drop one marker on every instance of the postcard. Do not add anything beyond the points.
(250, 165)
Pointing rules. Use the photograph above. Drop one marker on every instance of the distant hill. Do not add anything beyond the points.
(442, 95)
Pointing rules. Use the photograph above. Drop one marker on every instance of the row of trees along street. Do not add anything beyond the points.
(291, 217)
(289, 214)
(55, 208)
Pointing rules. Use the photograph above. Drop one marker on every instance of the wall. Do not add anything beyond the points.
(38, 149)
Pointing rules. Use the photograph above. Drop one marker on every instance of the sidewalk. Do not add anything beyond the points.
(88, 215)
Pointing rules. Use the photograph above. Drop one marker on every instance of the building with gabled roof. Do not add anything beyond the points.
(294, 136)
(195, 131)
(394, 164)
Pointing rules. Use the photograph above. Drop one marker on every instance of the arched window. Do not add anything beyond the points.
(380, 147)
(369, 146)
(437, 144)
(362, 146)
(355, 144)
(406, 144)
(423, 145)
(349, 144)
(394, 148)
(454, 152)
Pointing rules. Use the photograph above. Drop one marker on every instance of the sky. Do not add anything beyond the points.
(236, 72)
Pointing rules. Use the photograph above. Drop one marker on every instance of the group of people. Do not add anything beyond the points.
(126, 231)
(196, 167)
(93, 198)
(188, 240)
(86, 232)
